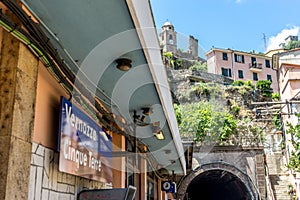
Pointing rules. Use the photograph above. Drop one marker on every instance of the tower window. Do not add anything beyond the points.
(171, 39)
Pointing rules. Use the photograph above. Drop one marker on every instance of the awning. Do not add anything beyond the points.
(90, 36)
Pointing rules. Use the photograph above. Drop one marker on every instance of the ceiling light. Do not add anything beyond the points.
(124, 64)
(143, 118)
(172, 161)
(147, 111)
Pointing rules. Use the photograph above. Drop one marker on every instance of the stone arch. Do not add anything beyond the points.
(250, 187)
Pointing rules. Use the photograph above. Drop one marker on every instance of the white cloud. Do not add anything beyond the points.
(275, 41)
(239, 1)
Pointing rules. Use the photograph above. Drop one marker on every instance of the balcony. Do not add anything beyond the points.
(255, 67)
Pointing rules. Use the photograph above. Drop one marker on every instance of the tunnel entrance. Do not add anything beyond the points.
(216, 185)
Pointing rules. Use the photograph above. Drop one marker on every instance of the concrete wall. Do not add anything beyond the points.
(18, 72)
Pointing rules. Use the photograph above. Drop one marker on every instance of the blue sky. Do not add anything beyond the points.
(236, 24)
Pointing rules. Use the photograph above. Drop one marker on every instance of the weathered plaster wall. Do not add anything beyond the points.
(18, 71)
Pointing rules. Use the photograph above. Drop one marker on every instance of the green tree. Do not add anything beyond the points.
(178, 113)
(205, 121)
(265, 87)
(291, 45)
(199, 66)
(294, 161)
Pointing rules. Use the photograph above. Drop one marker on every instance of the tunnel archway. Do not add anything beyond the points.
(217, 180)
(216, 185)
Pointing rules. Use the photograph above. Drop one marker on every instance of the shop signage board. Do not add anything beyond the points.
(85, 148)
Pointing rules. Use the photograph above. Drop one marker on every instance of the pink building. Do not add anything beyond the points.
(289, 72)
(240, 65)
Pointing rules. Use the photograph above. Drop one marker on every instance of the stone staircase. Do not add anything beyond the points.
(279, 183)
(278, 176)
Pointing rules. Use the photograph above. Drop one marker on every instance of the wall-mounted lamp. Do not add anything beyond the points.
(156, 130)
(159, 135)
(123, 64)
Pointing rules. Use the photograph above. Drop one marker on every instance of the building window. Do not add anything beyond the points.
(225, 56)
(268, 65)
(241, 74)
(269, 77)
(255, 76)
(253, 61)
(239, 58)
(226, 72)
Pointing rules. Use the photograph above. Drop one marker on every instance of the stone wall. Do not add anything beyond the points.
(249, 160)
(47, 183)
(246, 163)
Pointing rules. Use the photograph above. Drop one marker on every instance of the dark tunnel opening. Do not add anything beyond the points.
(217, 185)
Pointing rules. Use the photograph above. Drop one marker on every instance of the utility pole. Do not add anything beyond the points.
(265, 41)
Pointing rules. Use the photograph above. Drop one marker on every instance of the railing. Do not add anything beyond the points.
(270, 193)
(255, 65)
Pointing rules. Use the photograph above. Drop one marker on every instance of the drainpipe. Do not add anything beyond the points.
(232, 65)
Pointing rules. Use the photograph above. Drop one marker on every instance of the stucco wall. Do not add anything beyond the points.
(215, 63)
(47, 109)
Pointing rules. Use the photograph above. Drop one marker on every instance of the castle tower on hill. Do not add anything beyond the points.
(168, 39)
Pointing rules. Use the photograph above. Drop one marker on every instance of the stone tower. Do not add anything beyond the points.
(168, 38)
(193, 47)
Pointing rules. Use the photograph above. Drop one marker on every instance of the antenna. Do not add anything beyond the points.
(265, 42)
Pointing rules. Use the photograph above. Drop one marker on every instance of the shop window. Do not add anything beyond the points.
(131, 163)
(226, 72)
(241, 73)
(255, 76)
(225, 57)
(150, 193)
